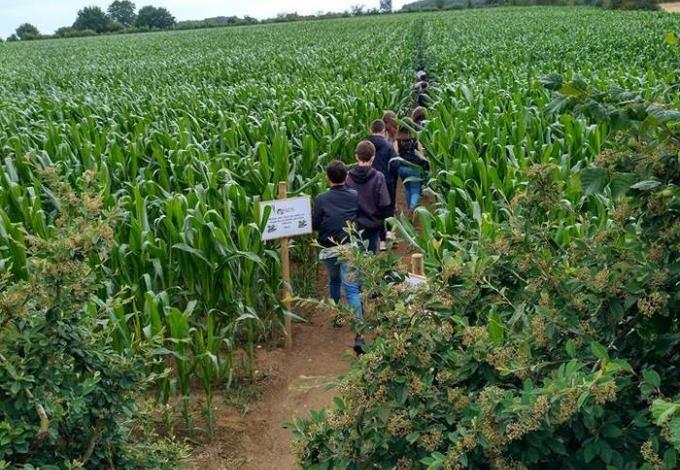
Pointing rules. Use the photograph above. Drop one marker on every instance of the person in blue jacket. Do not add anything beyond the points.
(334, 217)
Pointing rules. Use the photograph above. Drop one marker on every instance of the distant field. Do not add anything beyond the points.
(184, 132)
(671, 7)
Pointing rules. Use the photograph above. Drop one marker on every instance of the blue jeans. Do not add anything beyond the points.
(342, 276)
(413, 187)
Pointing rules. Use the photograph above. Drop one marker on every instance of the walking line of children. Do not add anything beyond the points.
(361, 199)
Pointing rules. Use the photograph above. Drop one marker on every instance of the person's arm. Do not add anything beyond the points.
(384, 199)
(317, 215)
(421, 151)
(393, 151)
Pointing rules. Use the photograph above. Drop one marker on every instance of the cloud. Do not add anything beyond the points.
(49, 15)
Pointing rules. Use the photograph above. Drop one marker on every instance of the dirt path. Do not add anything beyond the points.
(670, 7)
(293, 383)
(300, 381)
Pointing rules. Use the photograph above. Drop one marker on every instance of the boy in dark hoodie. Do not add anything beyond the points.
(374, 198)
(385, 162)
(335, 213)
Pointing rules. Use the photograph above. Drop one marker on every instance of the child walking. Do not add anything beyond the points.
(374, 198)
(335, 213)
(414, 165)
(386, 163)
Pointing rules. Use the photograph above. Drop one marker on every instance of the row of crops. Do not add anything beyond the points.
(185, 133)
(182, 133)
(548, 334)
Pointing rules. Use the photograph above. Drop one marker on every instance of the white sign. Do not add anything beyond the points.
(288, 218)
(413, 280)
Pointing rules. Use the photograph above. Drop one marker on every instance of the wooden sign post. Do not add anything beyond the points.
(417, 275)
(286, 218)
(418, 264)
(285, 274)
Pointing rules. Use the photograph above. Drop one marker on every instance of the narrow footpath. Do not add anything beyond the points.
(293, 382)
(299, 381)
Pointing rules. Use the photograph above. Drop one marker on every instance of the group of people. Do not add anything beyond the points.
(360, 199)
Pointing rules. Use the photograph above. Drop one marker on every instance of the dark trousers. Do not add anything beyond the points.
(392, 189)
(372, 236)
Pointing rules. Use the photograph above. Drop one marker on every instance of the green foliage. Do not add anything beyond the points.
(154, 18)
(186, 132)
(27, 32)
(92, 18)
(186, 161)
(536, 343)
(386, 6)
(122, 11)
(457, 4)
(67, 398)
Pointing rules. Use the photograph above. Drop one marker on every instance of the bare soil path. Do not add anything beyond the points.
(292, 383)
(301, 379)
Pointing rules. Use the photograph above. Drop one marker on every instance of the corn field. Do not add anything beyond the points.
(186, 131)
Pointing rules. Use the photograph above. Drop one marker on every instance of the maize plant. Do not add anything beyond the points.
(493, 114)
(547, 332)
(184, 133)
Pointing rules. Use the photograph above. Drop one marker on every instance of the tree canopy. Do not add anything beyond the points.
(27, 31)
(123, 11)
(92, 18)
(152, 17)
(386, 6)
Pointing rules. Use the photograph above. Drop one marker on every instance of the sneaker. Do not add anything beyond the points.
(383, 246)
(359, 345)
(391, 236)
(338, 322)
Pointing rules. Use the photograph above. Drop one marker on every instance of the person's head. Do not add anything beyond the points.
(422, 75)
(336, 173)
(391, 124)
(422, 86)
(365, 153)
(378, 127)
(419, 115)
(407, 130)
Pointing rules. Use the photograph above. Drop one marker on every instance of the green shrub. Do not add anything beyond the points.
(536, 343)
(67, 399)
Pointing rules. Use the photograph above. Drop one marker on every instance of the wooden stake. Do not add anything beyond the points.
(285, 273)
(418, 264)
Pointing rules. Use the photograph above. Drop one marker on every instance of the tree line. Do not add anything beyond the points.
(121, 17)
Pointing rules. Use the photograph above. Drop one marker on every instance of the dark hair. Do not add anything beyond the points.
(336, 172)
(407, 129)
(422, 86)
(365, 151)
(378, 126)
(390, 117)
(419, 114)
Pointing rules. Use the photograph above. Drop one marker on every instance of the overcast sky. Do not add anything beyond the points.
(49, 15)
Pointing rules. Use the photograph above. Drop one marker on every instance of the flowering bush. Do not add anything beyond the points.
(543, 341)
(67, 399)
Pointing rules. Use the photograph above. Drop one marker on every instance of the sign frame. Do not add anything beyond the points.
(290, 217)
